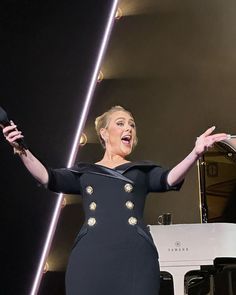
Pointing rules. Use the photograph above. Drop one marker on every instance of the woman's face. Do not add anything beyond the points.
(120, 133)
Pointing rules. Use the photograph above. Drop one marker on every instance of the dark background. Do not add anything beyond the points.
(48, 50)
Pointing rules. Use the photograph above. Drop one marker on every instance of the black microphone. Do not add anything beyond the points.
(4, 122)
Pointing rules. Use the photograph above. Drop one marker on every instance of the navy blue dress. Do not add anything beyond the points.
(114, 252)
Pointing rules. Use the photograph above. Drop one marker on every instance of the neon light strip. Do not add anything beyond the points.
(74, 150)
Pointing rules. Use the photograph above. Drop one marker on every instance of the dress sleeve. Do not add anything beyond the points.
(157, 180)
(63, 180)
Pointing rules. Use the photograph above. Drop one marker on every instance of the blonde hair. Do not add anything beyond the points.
(103, 121)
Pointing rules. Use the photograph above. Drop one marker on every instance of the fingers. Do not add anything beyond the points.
(213, 137)
(13, 136)
(11, 133)
(207, 140)
(209, 131)
(219, 137)
(8, 129)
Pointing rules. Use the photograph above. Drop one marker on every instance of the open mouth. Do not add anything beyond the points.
(126, 139)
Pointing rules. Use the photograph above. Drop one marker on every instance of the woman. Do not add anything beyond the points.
(114, 252)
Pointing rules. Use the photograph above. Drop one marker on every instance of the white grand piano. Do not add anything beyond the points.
(186, 247)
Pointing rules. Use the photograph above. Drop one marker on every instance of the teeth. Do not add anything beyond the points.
(127, 137)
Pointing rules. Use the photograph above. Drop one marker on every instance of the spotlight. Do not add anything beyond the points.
(63, 203)
(100, 77)
(83, 139)
(46, 267)
(119, 13)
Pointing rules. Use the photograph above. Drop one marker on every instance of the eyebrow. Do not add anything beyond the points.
(124, 119)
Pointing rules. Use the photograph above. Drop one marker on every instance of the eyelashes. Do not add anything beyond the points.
(121, 124)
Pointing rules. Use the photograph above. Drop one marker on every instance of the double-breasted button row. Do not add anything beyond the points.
(132, 221)
(130, 205)
(92, 206)
(127, 187)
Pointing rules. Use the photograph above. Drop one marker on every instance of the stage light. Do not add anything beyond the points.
(119, 13)
(64, 203)
(74, 150)
(83, 139)
(100, 77)
(46, 267)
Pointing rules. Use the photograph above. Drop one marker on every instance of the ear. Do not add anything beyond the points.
(103, 133)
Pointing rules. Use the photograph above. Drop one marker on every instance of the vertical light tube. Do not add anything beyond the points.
(75, 145)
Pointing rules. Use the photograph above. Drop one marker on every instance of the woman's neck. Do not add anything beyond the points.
(112, 160)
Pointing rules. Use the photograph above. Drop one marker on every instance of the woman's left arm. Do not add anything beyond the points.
(203, 142)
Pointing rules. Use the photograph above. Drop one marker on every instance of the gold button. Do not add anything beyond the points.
(132, 220)
(91, 221)
(128, 187)
(92, 206)
(89, 190)
(129, 205)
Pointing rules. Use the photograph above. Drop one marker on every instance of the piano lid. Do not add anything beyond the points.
(218, 182)
(229, 146)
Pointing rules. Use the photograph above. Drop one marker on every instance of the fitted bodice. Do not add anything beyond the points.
(113, 199)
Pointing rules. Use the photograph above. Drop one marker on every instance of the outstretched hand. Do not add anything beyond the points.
(203, 142)
(207, 140)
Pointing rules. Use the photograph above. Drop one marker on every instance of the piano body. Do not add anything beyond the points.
(186, 247)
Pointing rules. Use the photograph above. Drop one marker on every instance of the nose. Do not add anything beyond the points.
(128, 127)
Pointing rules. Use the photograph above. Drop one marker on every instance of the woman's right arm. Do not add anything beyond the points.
(35, 167)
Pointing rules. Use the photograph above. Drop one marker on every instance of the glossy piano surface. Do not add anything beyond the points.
(187, 247)
(194, 244)
(218, 182)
